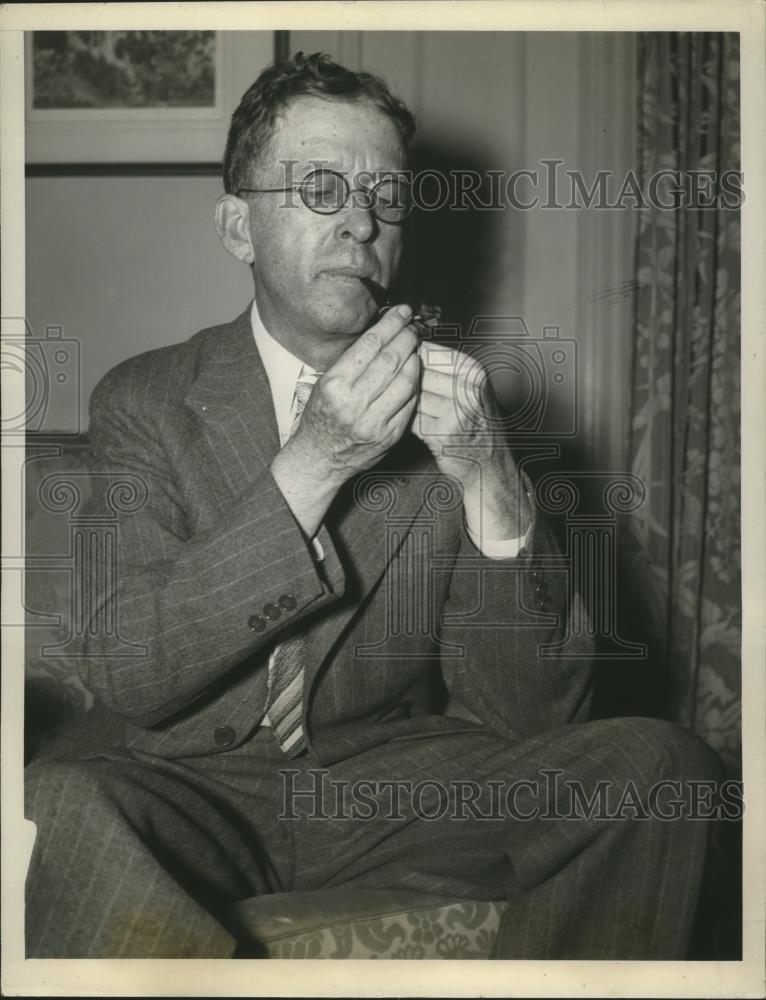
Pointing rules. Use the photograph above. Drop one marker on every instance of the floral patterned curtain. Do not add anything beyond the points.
(684, 441)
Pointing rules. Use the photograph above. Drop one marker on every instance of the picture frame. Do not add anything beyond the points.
(146, 139)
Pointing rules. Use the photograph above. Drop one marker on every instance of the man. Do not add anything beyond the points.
(308, 484)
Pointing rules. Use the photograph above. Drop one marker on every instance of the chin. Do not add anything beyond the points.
(350, 320)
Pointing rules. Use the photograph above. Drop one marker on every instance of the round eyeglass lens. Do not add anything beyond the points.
(393, 199)
(324, 191)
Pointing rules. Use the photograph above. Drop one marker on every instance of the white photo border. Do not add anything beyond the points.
(351, 978)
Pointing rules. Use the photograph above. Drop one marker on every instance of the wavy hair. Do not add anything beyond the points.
(252, 124)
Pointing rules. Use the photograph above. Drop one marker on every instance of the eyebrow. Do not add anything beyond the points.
(375, 174)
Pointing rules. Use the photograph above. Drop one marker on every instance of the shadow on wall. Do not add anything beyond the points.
(450, 256)
(454, 258)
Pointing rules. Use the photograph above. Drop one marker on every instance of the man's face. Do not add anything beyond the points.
(299, 254)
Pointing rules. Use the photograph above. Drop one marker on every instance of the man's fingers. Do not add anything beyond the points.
(356, 359)
(458, 393)
(424, 425)
(439, 357)
(439, 383)
(434, 404)
(447, 372)
(386, 365)
(400, 390)
(442, 394)
(400, 420)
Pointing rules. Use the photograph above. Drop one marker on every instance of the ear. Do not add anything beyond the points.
(232, 220)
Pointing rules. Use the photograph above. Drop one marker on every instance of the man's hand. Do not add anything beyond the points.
(356, 412)
(457, 417)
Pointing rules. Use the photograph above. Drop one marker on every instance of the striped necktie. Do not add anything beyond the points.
(284, 705)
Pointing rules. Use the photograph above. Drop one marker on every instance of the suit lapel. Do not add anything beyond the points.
(370, 516)
(232, 397)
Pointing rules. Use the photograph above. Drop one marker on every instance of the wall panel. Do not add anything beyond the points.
(123, 265)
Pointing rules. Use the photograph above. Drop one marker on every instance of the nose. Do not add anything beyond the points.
(356, 220)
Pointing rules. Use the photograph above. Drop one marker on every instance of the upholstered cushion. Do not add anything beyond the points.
(55, 481)
(355, 923)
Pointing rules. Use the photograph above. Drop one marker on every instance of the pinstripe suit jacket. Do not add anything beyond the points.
(402, 591)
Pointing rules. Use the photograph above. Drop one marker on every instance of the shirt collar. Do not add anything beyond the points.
(282, 370)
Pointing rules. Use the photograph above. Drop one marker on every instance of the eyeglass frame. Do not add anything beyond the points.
(370, 193)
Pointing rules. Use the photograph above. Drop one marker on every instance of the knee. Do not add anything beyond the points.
(660, 749)
(61, 788)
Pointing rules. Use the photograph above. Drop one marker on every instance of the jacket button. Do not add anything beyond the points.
(287, 602)
(271, 611)
(224, 736)
(256, 623)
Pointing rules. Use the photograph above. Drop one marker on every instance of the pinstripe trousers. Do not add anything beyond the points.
(139, 856)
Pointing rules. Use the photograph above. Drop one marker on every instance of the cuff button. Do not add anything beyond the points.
(288, 602)
(545, 604)
(271, 611)
(224, 736)
(256, 623)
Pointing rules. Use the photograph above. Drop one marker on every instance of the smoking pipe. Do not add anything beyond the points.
(425, 317)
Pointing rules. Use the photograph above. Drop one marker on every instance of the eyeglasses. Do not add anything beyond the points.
(326, 192)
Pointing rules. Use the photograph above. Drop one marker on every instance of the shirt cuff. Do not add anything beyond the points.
(499, 548)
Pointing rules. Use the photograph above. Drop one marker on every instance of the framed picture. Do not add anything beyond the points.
(136, 97)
